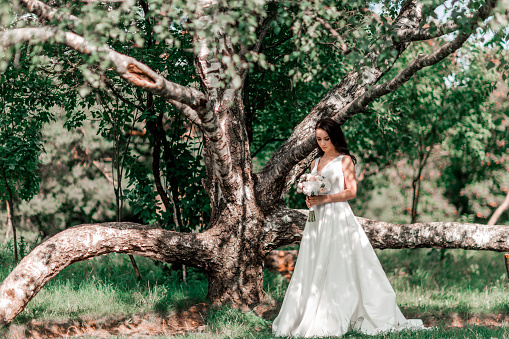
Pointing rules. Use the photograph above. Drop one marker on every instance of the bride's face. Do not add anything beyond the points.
(323, 140)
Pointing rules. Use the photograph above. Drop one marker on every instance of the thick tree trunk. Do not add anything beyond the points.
(240, 286)
(236, 277)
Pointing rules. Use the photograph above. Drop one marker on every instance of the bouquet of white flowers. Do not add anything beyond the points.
(312, 184)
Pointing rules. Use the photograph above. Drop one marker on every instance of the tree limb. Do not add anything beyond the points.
(419, 63)
(156, 153)
(351, 96)
(88, 241)
(431, 32)
(426, 33)
(130, 69)
(187, 111)
(334, 33)
(48, 13)
(298, 170)
(272, 178)
(285, 227)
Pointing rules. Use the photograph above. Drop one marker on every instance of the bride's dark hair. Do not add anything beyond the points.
(336, 136)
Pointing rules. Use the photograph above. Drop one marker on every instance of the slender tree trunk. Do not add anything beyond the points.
(416, 184)
(10, 215)
(119, 199)
(498, 212)
(8, 231)
(157, 130)
(11, 223)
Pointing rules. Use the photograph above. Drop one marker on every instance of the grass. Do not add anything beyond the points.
(428, 283)
(107, 285)
(437, 282)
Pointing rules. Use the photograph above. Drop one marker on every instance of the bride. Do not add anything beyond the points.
(338, 283)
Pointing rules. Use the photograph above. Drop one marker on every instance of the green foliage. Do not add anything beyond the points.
(141, 194)
(445, 111)
(117, 110)
(74, 188)
(128, 24)
(25, 100)
(386, 196)
(182, 172)
(277, 100)
(298, 62)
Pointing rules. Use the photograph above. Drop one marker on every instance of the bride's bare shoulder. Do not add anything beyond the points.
(347, 161)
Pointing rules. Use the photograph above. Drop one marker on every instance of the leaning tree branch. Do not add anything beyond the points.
(285, 227)
(422, 60)
(498, 212)
(350, 97)
(48, 13)
(419, 63)
(272, 178)
(298, 170)
(190, 102)
(88, 241)
(187, 111)
(426, 33)
(431, 32)
(130, 69)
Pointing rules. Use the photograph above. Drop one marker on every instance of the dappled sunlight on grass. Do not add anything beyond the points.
(436, 282)
(107, 285)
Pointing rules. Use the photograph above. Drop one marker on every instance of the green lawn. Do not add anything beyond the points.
(429, 284)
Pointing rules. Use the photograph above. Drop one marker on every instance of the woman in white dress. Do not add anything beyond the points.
(338, 283)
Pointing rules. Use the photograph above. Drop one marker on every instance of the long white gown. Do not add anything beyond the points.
(338, 283)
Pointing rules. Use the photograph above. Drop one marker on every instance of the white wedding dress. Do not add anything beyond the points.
(338, 283)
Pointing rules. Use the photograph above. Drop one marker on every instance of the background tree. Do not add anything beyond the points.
(25, 102)
(223, 40)
(433, 113)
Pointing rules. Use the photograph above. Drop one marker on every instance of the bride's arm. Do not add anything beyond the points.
(348, 193)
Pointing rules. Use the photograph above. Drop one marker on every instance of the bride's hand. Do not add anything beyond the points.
(315, 200)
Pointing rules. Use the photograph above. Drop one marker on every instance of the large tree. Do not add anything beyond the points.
(223, 41)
